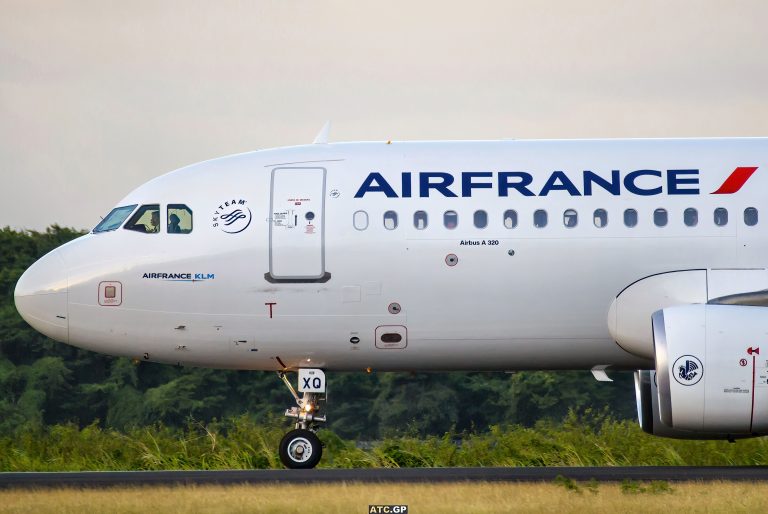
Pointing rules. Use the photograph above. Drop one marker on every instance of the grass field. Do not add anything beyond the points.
(242, 443)
(562, 496)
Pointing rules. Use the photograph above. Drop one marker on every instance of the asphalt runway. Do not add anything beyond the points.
(410, 475)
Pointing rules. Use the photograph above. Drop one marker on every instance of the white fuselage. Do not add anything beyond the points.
(314, 271)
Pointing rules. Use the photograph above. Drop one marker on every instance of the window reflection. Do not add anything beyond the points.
(600, 218)
(420, 220)
(146, 220)
(510, 219)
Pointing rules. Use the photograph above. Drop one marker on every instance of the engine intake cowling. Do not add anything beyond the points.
(646, 393)
(710, 375)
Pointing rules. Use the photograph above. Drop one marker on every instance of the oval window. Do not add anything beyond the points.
(660, 217)
(540, 218)
(690, 217)
(481, 219)
(510, 219)
(721, 216)
(570, 218)
(420, 220)
(360, 220)
(390, 220)
(450, 219)
(630, 218)
(750, 216)
(600, 218)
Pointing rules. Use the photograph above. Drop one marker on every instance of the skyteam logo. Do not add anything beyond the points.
(232, 216)
(644, 182)
(688, 370)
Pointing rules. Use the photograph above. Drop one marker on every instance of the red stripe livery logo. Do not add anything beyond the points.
(735, 180)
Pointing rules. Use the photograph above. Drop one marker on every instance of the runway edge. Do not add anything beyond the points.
(426, 475)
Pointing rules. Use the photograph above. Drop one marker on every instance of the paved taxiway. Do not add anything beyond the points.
(272, 476)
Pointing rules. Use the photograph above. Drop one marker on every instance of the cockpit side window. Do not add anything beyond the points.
(179, 219)
(146, 219)
(114, 219)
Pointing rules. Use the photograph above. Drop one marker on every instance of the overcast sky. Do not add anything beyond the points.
(97, 97)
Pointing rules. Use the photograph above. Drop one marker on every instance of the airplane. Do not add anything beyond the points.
(605, 255)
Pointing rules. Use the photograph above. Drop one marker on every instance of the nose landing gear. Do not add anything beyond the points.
(300, 448)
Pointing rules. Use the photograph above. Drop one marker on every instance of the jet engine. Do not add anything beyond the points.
(710, 380)
(646, 394)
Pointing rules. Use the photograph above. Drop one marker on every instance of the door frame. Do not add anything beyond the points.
(268, 275)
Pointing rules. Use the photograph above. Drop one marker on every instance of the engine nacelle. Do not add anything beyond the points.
(710, 376)
(646, 394)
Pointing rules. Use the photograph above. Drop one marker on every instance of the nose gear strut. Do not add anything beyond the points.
(300, 448)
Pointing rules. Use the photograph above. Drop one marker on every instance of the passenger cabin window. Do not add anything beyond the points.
(390, 220)
(114, 219)
(450, 219)
(420, 220)
(146, 219)
(481, 219)
(721, 216)
(750, 216)
(660, 217)
(600, 218)
(630, 218)
(690, 217)
(360, 220)
(570, 218)
(510, 219)
(179, 219)
(540, 218)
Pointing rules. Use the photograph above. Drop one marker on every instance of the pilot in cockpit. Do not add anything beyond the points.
(154, 222)
(173, 224)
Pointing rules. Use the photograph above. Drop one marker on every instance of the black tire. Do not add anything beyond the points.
(300, 449)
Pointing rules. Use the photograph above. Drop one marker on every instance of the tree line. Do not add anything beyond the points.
(43, 382)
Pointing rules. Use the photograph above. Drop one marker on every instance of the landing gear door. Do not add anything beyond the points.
(297, 228)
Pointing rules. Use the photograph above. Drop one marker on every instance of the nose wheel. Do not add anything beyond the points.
(300, 448)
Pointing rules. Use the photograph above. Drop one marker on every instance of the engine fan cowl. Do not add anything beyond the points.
(646, 393)
(709, 371)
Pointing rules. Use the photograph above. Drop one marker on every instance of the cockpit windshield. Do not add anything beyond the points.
(114, 219)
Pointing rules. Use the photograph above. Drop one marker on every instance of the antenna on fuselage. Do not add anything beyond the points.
(322, 137)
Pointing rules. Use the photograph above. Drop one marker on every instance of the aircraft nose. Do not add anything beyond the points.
(41, 296)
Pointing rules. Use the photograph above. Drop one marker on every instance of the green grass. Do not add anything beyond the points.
(241, 443)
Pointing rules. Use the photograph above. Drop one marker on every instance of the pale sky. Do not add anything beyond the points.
(97, 97)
